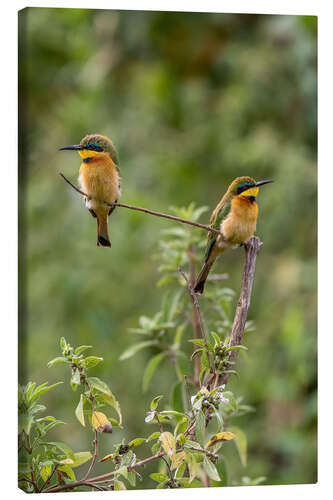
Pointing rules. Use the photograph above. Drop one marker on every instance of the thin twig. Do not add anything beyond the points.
(93, 461)
(251, 251)
(169, 469)
(194, 319)
(49, 478)
(197, 308)
(147, 211)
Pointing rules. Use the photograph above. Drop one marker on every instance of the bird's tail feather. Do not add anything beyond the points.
(102, 231)
(201, 279)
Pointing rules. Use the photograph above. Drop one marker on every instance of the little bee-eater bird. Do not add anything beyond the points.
(99, 178)
(236, 218)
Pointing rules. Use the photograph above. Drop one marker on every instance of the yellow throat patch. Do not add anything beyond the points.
(250, 192)
(87, 153)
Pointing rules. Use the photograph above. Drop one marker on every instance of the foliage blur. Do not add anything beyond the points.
(191, 101)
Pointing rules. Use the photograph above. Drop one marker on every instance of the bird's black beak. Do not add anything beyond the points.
(261, 183)
(74, 147)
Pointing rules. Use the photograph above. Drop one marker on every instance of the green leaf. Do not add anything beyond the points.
(199, 342)
(216, 338)
(119, 485)
(173, 413)
(75, 380)
(158, 476)
(67, 469)
(60, 359)
(152, 436)
(98, 384)
(221, 467)
(210, 469)
(63, 344)
(25, 423)
(197, 351)
(91, 361)
(155, 401)
(131, 478)
(37, 393)
(137, 347)
(200, 428)
(80, 458)
(177, 401)
(136, 442)
(241, 444)
(64, 448)
(79, 411)
(185, 481)
(81, 348)
(45, 471)
(150, 369)
(234, 347)
(111, 401)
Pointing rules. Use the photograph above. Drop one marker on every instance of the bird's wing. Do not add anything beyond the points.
(220, 213)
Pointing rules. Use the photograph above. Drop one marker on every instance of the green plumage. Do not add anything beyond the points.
(215, 222)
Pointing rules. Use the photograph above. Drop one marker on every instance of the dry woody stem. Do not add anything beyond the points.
(251, 251)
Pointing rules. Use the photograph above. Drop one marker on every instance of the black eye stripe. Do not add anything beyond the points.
(93, 147)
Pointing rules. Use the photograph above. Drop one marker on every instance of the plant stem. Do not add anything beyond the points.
(197, 308)
(251, 251)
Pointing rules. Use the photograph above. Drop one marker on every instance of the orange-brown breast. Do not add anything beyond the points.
(99, 178)
(240, 224)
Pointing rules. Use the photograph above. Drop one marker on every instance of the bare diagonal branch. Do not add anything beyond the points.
(147, 211)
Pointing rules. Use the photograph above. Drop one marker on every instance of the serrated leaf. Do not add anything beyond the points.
(220, 436)
(210, 469)
(133, 349)
(200, 428)
(79, 413)
(150, 369)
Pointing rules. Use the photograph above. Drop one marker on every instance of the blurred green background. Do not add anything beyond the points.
(191, 101)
